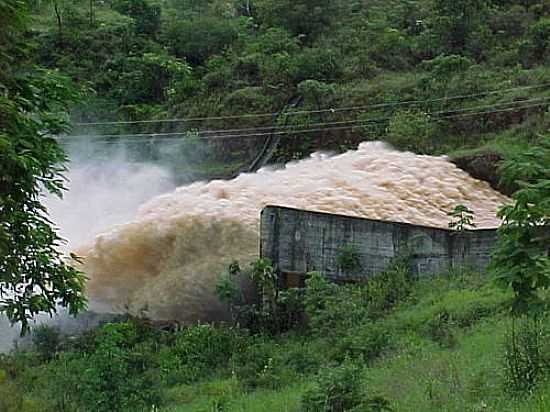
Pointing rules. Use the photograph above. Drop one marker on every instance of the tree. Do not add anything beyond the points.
(307, 18)
(34, 276)
(412, 130)
(201, 37)
(457, 23)
(151, 77)
(462, 218)
(147, 17)
(522, 259)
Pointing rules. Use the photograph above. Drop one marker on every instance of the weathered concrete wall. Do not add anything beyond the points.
(299, 241)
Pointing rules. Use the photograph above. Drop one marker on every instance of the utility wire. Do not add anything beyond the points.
(278, 127)
(328, 110)
(316, 130)
(274, 130)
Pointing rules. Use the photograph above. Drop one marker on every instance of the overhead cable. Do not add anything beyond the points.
(517, 105)
(359, 124)
(326, 110)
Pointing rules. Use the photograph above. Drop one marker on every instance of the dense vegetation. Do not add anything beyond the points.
(398, 345)
(143, 59)
(34, 276)
(432, 76)
(399, 342)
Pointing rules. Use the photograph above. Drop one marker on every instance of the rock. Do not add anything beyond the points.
(484, 166)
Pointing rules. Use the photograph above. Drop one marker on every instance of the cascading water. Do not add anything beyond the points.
(107, 184)
(166, 259)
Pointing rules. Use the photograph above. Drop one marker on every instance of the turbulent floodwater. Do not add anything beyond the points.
(166, 259)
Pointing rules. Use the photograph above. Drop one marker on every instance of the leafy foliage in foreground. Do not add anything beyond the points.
(522, 259)
(132, 366)
(34, 277)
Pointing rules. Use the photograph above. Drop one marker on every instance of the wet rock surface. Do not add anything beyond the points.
(484, 166)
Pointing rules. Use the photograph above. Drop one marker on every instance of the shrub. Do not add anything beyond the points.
(348, 259)
(336, 389)
(117, 375)
(199, 38)
(198, 351)
(11, 398)
(339, 389)
(526, 359)
(389, 287)
(260, 366)
(322, 64)
(60, 383)
(439, 329)
(389, 49)
(333, 309)
(304, 358)
(444, 67)
(411, 130)
(364, 343)
(253, 99)
(277, 311)
(46, 341)
(265, 364)
(535, 49)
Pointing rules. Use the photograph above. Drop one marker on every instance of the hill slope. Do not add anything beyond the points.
(431, 76)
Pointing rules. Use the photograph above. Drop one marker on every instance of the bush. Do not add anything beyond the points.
(304, 358)
(331, 309)
(200, 38)
(390, 287)
(197, 351)
(364, 343)
(412, 130)
(339, 389)
(118, 375)
(390, 49)
(116, 372)
(526, 355)
(278, 310)
(539, 35)
(46, 341)
(336, 389)
(11, 398)
(322, 64)
(348, 259)
(251, 99)
(261, 366)
(439, 329)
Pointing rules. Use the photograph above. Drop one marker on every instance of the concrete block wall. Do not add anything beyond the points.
(299, 241)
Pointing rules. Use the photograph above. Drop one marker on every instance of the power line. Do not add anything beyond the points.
(328, 110)
(316, 130)
(275, 130)
(277, 127)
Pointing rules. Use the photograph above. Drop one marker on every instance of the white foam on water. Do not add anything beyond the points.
(167, 258)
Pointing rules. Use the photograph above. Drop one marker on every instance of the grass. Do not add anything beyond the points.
(445, 353)
(227, 394)
(425, 377)
(421, 373)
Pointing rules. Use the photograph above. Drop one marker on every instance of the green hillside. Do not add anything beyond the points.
(429, 345)
(431, 76)
(466, 78)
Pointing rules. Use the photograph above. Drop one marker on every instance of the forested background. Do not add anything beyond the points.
(431, 76)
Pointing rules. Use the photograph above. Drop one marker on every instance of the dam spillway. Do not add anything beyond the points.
(300, 241)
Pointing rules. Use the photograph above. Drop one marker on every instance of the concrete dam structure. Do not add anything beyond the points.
(299, 241)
